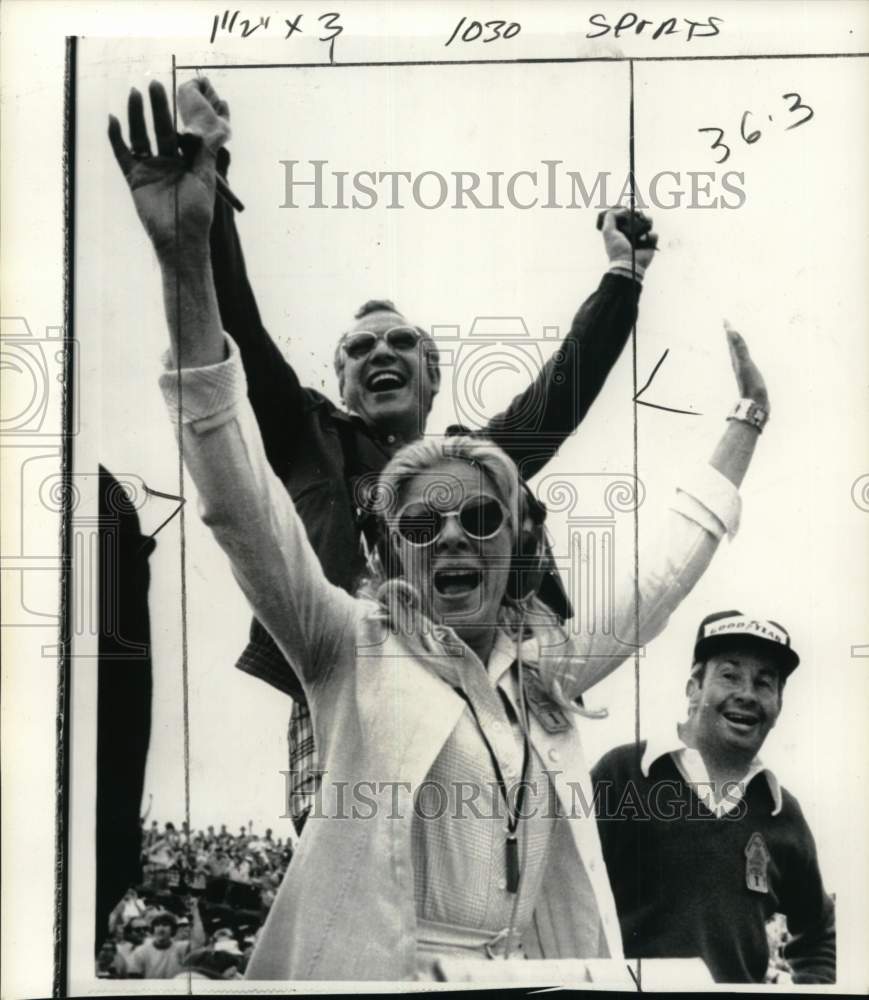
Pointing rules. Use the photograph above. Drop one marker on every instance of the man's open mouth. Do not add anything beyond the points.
(387, 381)
(457, 582)
(741, 720)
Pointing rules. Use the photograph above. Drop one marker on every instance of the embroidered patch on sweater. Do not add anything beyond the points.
(756, 864)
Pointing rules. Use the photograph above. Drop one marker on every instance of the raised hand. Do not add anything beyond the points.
(173, 191)
(749, 379)
(618, 246)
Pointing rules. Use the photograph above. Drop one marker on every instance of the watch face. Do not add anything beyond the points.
(749, 412)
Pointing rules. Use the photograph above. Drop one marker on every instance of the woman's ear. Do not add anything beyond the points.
(395, 552)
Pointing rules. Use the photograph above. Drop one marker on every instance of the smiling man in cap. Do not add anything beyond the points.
(702, 843)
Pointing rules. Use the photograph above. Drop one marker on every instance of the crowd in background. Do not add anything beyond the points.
(203, 897)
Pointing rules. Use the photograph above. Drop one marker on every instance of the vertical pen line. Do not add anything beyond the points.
(60, 969)
(182, 512)
(632, 163)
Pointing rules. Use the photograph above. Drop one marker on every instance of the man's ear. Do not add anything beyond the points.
(693, 690)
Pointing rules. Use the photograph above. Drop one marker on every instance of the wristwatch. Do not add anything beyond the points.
(750, 412)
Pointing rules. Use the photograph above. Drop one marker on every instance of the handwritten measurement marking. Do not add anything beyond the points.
(752, 137)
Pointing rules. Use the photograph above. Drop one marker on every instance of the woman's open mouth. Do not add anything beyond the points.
(457, 582)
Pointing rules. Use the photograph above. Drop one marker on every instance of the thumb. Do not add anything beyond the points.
(739, 356)
(609, 222)
(200, 118)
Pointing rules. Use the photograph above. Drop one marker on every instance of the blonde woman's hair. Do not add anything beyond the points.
(384, 584)
(396, 600)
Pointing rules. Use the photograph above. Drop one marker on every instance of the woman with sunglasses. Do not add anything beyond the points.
(443, 696)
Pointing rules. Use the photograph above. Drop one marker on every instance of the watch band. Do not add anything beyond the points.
(749, 412)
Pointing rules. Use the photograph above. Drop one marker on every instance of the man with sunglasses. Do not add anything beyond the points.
(388, 374)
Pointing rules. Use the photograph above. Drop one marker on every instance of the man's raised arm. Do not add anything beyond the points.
(536, 423)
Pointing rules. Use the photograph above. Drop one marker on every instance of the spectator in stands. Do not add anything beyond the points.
(162, 956)
(135, 934)
(109, 965)
(129, 907)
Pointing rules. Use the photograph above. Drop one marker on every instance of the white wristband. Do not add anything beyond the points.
(624, 265)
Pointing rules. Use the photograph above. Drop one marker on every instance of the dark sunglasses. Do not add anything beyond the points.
(481, 518)
(360, 343)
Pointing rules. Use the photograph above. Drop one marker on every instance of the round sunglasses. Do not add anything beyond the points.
(360, 343)
(481, 517)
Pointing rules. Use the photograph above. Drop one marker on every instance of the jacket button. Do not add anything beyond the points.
(554, 755)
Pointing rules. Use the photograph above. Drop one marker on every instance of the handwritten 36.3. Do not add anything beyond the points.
(796, 108)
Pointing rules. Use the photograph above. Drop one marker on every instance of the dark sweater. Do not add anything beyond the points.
(679, 873)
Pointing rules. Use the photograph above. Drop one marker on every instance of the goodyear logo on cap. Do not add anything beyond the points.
(746, 626)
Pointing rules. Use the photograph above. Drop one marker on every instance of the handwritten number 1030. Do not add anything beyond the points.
(473, 31)
(753, 135)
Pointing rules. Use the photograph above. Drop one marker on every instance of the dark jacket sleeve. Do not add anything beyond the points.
(810, 913)
(273, 387)
(536, 423)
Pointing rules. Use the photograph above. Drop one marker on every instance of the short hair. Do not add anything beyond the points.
(376, 305)
(167, 919)
(432, 355)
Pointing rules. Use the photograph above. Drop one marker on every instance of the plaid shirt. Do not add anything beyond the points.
(304, 776)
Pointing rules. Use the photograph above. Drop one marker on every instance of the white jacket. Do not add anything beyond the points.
(345, 910)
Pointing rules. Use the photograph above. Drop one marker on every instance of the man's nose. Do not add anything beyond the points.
(745, 691)
(381, 350)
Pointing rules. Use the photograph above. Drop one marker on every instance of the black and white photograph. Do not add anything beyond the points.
(436, 456)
